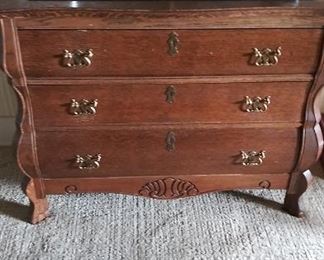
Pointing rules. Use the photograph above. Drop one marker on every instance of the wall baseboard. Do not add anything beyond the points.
(7, 130)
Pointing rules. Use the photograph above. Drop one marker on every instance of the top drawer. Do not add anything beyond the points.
(169, 52)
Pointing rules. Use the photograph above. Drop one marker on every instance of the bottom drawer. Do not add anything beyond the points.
(167, 151)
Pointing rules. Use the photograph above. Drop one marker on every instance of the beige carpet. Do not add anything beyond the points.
(227, 225)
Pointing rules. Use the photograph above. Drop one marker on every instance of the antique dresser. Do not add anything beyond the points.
(165, 99)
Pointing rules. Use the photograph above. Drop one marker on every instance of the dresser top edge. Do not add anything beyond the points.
(200, 5)
(164, 14)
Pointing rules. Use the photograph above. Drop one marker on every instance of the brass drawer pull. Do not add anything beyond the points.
(170, 93)
(266, 57)
(77, 58)
(173, 43)
(252, 158)
(255, 104)
(83, 107)
(88, 162)
(170, 141)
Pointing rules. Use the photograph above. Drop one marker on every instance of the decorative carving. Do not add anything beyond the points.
(266, 57)
(174, 43)
(252, 158)
(170, 93)
(168, 188)
(77, 58)
(311, 139)
(170, 141)
(83, 107)
(71, 189)
(265, 184)
(88, 162)
(255, 104)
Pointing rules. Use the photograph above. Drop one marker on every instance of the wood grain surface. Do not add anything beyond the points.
(133, 185)
(146, 103)
(142, 152)
(211, 73)
(145, 53)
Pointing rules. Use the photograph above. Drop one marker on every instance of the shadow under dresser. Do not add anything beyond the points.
(165, 99)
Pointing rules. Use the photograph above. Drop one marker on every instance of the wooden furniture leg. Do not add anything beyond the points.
(322, 128)
(39, 206)
(295, 191)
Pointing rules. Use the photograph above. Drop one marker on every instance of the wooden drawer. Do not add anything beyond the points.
(167, 151)
(146, 52)
(168, 103)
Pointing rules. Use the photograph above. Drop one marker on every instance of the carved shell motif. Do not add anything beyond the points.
(168, 188)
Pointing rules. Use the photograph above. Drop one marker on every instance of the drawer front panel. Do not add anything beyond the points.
(129, 103)
(161, 53)
(166, 151)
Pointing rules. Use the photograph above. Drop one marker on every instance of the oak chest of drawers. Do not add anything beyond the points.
(165, 99)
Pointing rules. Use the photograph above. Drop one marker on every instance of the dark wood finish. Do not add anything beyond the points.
(142, 151)
(137, 103)
(27, 5)
(72, 81)
(12, 66)
(312, 144)
(131, 52)
(291, 203)
(135, 185)
(135, 52)
(164, 14)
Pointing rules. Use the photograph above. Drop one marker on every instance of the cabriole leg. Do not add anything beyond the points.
(39, 206)
(298, 186)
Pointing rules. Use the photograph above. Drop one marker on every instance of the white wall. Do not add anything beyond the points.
(8, 110)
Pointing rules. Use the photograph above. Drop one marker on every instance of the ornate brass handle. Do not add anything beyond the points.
(252, 158)
(170, 141)
(88, 162)
(83, 107)
(170, 93)
(266, 57)
(255, 104)
(173, 43)
(77, 58)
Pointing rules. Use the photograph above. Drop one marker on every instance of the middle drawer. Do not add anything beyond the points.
(56, 106)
